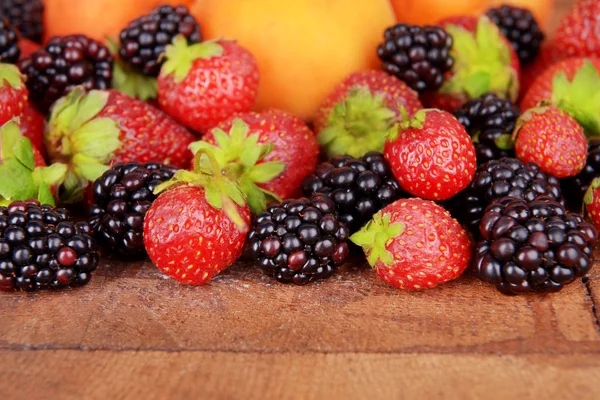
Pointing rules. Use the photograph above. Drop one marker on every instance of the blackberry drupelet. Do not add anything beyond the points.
(519, 26)
(26, 16)
(358, 187)
(488, 120)
(143, 41)
(497, 179)
(9, 47)
(298, 241)
(574, 188)
(533, 246)
(122, 197)
(419, 56)
(64, 63)
(41, 247)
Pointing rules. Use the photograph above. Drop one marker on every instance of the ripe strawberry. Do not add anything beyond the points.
(27, 48)
(591, 202)
(551, 139)
(89, 131)
(359, 111)
(268, 153)
(13, 93)
(32, 125)
(484, 61)
(198, 226)
(572, 85)
(415, 244)
(578, 34)
(431, 155)
(203, 84)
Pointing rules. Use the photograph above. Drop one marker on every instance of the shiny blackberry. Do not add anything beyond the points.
(574, 188)
(64, 63)
(489, 120)
(9, 47)
(358, 187)
(417, 55)
(143, 41)
(521, 29)
(298, 241)
(533, 246)
(500, 178)
(122, 197)
(26, 16)
(41, 247)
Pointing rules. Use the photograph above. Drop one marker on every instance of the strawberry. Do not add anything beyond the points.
(203, 84)
(484, 61)
(32, 124)
(431, 155)
(551, 139)
(415, 244)
(27, 48)
(89, 131)
(13, 93)
(578, 34)
(268, 153)
(546, 57)
(358, 112)
(197, 227)
(572, 85)
(591, 202)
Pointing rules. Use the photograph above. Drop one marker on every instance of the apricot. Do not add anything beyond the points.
(421, 12)
(303, 47)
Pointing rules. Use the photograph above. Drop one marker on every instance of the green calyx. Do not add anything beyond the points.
(20, 179)
(79, 138)
(580, 97)
(374, 237)
(220, 192)
(482, 63)
(180, 56)
(10, 73)
(358, 124)
(239, 157)
(589, 195)
(407, 122)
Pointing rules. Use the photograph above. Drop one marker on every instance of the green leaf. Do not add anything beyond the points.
(250, 154)
(23, 152)
(213, 197)
(257, 201)
(375, 235)
(88, 168)
(11, 74)
(88, 108)
(16, 181)
(478, 84)
(223, 140)
(52, 175)
(132, 83)
(98, 139)
(505, 141)
(9, 136)
(45, 195)
(180, 56)
(265, 172)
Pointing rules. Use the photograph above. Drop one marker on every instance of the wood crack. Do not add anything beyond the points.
(595, 311)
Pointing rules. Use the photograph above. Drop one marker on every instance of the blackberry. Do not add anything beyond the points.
(122, 196)
(488, 120)
(533, 246)
(358, 187)
(143, 41)
(419, 56)
(41, 247)
(519, 26)
(26, 16)
(300, 240)
(575, 187)
(64, 63)
(9, 47)
(499, 178)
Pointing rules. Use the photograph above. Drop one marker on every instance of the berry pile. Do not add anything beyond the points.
(26, 16)
(9, 48)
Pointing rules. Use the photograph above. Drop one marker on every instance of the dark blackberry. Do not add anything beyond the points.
(41, 247)
(533, 246)
(358, 187)
(489, 119)
(519, 26)
(122, 196)
(64, 63)
(499, 178)
(143, 41)
(300, 240)
(417, 55)
(9, 47)
(26, 16)
(574, 188)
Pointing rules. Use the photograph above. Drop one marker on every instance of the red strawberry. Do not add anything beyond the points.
(357, 114)
(578, 34)
(13, 93)
(268, 153)
(551, 139)
(32, 124)
(203, 84)
(197, 227)
(546, 57)
(484, 61)
(27, 47)
(415, 244)
(431, 155)
(89, 131)
(591, 202)
(572, 85)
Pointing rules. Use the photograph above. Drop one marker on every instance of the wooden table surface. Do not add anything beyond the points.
(134, 334)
